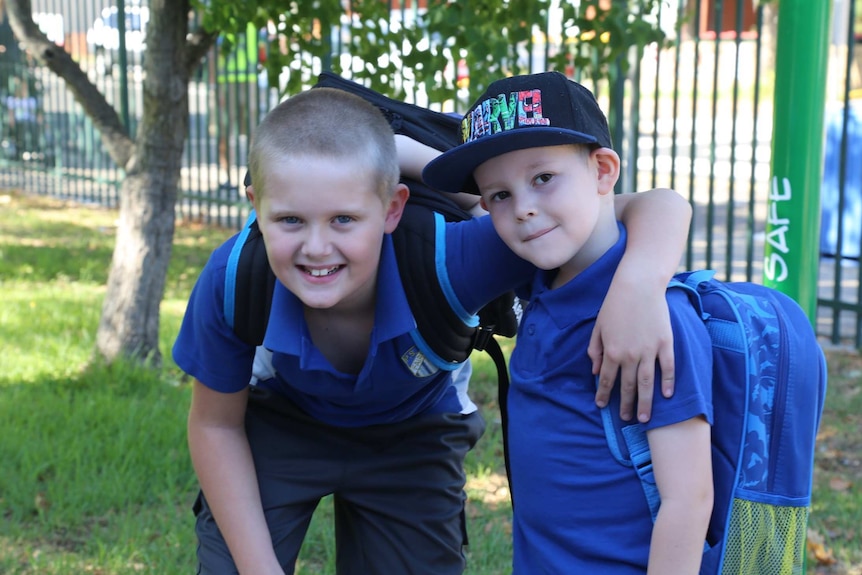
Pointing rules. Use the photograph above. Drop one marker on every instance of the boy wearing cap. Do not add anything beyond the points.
(341, 401)
(538, 151)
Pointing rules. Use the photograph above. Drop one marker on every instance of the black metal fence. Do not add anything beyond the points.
(696, 117)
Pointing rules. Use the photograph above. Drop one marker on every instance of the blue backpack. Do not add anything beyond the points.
(769, 384)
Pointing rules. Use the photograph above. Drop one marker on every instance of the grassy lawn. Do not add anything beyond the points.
(95, 475)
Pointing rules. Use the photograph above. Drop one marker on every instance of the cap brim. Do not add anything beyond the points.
(452, 171)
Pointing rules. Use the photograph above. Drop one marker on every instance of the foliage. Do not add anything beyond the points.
(604, 35)
(447, 46)
(500, 39)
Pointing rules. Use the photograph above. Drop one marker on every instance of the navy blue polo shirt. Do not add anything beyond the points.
(578, 510)
(395, 383)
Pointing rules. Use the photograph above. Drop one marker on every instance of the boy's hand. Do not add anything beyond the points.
(633, 328)
(627, 341)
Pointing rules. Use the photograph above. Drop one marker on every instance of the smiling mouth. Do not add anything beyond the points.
(320, 272)
(538, 234)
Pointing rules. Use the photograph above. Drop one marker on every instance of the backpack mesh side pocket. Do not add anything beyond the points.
(763, 538)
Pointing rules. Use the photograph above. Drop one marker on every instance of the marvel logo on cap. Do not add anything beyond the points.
(515, 113)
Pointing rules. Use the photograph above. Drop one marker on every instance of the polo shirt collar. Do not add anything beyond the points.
(581, 298)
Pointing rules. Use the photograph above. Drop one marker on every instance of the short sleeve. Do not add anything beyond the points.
(206, 347)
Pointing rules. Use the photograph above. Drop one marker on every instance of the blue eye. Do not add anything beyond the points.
(343, 219)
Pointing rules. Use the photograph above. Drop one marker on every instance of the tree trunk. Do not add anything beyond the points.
(130, 314)
(129, 326)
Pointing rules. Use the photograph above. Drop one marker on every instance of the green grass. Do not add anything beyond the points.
(94, 470)
(837, 505)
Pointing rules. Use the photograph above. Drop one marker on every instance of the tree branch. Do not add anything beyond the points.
(106, 120)
(198, 44)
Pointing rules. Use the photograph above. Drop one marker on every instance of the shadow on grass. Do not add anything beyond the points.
(95, 471)
(96, 477)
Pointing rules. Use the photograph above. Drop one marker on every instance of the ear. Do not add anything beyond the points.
(396, 207)
(608, 168)
(482, 204)
(249, 193)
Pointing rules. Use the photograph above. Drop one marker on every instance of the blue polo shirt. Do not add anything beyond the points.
(394, 383)
(578, 510)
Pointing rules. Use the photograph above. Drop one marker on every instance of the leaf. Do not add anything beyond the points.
(818, 550)
(840, 484)
(41, 502)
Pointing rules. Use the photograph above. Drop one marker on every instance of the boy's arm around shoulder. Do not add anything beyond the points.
(479, 265)
(633, 327)
(413, 157)
(222, 460)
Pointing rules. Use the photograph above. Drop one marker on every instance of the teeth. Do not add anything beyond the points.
(322, 272)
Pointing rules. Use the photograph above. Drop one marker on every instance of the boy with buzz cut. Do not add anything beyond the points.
(332, 402)
(538, 151)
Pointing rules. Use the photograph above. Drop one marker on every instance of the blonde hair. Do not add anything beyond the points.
(327, 122)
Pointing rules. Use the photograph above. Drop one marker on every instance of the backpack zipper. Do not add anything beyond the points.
(778, 401)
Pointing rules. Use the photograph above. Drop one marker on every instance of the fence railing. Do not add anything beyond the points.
(696, 117)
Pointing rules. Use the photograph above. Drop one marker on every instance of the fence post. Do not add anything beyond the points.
(123, 66)
(791, 253)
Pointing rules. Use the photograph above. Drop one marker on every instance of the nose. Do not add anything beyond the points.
(317, 243)
(524, 207)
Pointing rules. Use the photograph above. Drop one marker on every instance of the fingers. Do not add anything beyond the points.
(635, 368)
(666, 362)
(646, 384)
(628, 389)
(646, 378)
(611, 366)
(605, 384)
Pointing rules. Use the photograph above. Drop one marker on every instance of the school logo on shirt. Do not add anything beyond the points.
(418, 364)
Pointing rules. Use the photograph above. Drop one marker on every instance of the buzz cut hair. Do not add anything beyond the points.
(329, 123)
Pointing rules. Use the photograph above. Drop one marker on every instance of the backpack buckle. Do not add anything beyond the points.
(483, 335)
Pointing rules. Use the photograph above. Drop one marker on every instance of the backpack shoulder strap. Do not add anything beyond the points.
(249, 283)
(447, 330)
(629, 446)
(628, 443)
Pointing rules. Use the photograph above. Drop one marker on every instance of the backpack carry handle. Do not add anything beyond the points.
(691, 282)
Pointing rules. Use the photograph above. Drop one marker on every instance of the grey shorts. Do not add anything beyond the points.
(398, 490)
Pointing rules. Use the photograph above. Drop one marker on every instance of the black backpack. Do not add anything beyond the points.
(249, 280)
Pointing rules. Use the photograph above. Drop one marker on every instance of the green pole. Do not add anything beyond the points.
(793, 210)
